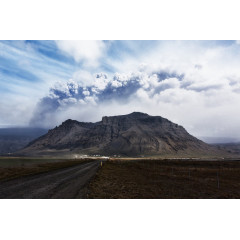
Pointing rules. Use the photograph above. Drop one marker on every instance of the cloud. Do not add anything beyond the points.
(26, 74)
(87, 51)
(15, 114)
(193, 83)
(100, 90)
(204, 107)
(83, 77)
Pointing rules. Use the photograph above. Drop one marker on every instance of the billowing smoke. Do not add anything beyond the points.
(203, 106)
(100, 91)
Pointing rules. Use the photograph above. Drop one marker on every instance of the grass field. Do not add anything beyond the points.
(166, 179)
(11, 168)
(142, 179)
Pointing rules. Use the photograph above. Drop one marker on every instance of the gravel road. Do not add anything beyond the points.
(63, 183)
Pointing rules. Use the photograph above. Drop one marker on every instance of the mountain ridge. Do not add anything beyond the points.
(134, 134)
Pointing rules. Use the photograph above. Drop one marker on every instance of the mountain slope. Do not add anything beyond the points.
(135, 134)
(13, 139)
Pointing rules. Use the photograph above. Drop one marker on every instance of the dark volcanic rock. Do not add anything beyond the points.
(135, 134)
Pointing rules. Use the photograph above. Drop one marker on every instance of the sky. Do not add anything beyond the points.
(193, 83)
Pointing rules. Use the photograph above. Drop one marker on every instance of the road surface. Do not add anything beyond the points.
(63, 183)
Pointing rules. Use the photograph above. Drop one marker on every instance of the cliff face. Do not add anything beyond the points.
(135, 134)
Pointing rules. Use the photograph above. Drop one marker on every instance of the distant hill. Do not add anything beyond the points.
(231, 148)
(13, 139)
(219, 140)
(135, 134)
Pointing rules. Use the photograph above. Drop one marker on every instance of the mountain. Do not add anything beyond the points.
(135, 134)
(219, 140)
(14, 139)
(231, 148)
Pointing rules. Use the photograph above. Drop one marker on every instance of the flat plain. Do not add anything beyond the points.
(175, 179)
(120, 178)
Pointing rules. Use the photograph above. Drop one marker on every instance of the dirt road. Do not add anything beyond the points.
(62, 183)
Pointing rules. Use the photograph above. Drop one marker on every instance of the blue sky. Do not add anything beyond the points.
(192, 83)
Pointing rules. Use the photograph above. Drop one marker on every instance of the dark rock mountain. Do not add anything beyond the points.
(14, 139)
(135, 134)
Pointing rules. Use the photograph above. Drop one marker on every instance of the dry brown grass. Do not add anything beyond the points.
(7, 173)
(167, 179)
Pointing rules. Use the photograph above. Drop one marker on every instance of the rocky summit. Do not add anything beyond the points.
(135, 134)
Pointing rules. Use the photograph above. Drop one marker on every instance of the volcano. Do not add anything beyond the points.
(135, 134)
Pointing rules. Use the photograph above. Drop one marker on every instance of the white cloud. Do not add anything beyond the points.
(87, 51)
(204, 106)
(168, 83)
(15, 114)
(116, 84)
(101, 81)
(86, 93)
(67, 102)
(204, 101)
(68, 88)
(83, 77)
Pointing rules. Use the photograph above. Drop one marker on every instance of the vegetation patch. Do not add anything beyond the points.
(35, 166)
(177, 179)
